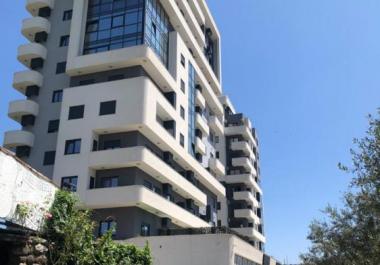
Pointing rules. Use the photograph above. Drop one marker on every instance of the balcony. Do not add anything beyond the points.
(201, 124)
(216, 125)
(246, 196)
(199, 99)
(20, 108)
(139, 196)
(247, 214)
(35, 29)
(25, 79)
(33, 6)
(247, 179)
(243, 130)
(18, 138)
(144, 159)
(243, 146)
(250, 232)
(32, 55)
(243, 162)
(217, 166)
(200, 147)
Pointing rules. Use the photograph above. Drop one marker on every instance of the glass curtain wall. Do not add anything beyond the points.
(191, 113)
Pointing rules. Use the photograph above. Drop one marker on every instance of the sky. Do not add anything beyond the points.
(306, 72)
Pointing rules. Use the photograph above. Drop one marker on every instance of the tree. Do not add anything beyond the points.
(69, 234)
(351, 235)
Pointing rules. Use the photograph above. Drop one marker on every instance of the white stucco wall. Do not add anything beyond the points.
(21, 185)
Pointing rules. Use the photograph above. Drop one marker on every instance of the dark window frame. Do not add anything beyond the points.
(64, 41)
(73, 146)
(76, 112)
(57, 96)
(107, 108)
(53, 126)
(67, 15)
(60, 68)
(49, 158)
(70, 186)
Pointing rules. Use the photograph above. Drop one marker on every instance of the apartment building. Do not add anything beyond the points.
(124, 106)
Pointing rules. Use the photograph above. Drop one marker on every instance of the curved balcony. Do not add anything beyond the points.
(202, 124)
(199, 99)
(247, 179)
(217, 166)
(243, 162)
(246, 196)
(35, 29)
(18, 138)
(32, 55)
(20, 108)
(23, 80)
(33, 6)
(216, 125)
(200, 147)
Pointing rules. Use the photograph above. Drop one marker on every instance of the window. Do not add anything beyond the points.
(148, 184)
(76, 112)
(112, 144)
(69, 183)
(64, 41)
(49, 158)
(107, 107)
(182, 112)
(115, 77)
(67, 15)
(53, 126)
(110, 182)
(72, 146)
(183, 60)
(216, 139)
(182, 140)
(145, 229)
(61, 68)
(57, 96)
(183, 89)
(104, 226)
(86, 82)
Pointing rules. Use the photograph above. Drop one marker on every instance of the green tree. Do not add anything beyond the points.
(351, 235)
(69, 232)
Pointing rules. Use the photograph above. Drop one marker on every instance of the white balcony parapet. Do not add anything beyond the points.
(19, 108)
(216, 125)
(247, 179)
(139, 196)
(30, 51)
(34, 5)
(21, 80)
(247, 214)
(201, 124)
(243, 146)
(199, 99)
(31, 26)
(217, 166)
(144, 159)
(246, 196)
(200, 147)
(244, 162)
(243, 130)
(250, 232)
(18, 138)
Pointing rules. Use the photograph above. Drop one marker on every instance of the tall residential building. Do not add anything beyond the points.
(124, 106)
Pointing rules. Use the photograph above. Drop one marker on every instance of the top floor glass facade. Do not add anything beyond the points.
(116, 24)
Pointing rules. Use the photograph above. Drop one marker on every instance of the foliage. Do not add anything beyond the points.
(69, 232)
(351, 236)
(22, 212)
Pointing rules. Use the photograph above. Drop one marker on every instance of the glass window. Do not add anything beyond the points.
(183, 60)
(182, 140)
(69, 183)
(110, 182)
(107, 108)
(49, 158)
(67, 15)
(61, 68)
(145, 229)
(76, 112)
(53, 126)
(182, 112)
(72, 146)
(57, 96)
(112, 144)
(183, 89)
(64, 41)
(104, 226)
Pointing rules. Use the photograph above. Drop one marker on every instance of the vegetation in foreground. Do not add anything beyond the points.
(69, 234)
(351, 235)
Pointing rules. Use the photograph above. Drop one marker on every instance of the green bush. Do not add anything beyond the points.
(69, 232)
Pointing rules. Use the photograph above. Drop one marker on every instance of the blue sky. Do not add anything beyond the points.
(305, 71)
